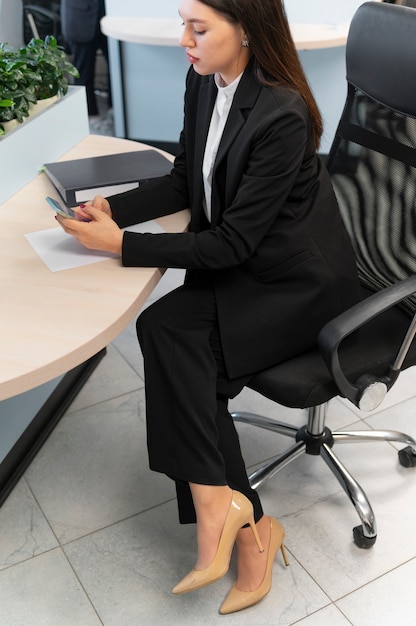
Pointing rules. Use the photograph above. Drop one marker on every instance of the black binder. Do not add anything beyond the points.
(79, 180)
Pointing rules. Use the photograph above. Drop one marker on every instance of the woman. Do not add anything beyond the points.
(266, 251)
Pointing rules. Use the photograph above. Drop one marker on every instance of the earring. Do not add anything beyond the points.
(245, 43)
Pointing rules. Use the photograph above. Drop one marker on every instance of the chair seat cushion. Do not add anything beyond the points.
(304, 381)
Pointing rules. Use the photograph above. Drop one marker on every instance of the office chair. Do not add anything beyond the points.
(40, 20)
(360, 353)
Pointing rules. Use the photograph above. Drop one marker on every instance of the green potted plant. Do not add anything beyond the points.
(49, 61)
(5, 104)
(29, 75)
(17, 86)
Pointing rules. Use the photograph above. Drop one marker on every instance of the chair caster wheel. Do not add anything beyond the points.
(361, 540)
(407, 457)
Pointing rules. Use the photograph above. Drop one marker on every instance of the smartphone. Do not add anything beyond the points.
(61, 209)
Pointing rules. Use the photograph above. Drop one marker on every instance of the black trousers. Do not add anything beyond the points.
(191, 436)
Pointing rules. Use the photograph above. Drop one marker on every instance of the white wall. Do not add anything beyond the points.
(145, 8)
(11, 22)
(321, 11)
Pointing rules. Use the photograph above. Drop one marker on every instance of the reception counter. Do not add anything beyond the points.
(159, 31)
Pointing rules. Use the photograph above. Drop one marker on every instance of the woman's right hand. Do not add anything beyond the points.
(100, 203)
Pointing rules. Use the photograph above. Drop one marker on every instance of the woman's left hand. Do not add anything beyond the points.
(99, 233)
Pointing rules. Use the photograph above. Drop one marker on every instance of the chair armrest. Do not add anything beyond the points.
(30, 12)
(31, 8)
(338, 329)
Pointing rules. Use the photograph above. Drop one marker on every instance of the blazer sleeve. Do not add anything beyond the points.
(158, 197)
(263, 164)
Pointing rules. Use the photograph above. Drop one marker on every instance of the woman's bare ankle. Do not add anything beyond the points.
(211, 505)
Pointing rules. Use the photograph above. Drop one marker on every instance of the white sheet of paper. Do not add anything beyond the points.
(60, 251)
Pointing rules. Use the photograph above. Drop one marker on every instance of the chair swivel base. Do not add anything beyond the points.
(316, 439)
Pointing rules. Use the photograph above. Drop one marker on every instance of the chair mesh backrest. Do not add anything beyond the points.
(373, 168)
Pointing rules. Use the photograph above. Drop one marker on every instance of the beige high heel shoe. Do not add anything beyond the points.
(237, 600)
(239, 514)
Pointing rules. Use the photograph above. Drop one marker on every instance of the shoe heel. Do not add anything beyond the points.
(256, 535)
(284, 554)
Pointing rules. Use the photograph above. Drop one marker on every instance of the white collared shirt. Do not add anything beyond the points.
(219, 117)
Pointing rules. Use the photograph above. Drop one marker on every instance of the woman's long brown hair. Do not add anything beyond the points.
(275, 58)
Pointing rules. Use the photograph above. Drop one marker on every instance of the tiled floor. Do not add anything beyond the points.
(90, 535)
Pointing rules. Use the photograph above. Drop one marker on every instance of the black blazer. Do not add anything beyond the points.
(276, 251)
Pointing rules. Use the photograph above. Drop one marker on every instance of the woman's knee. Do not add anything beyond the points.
(152, 319)
(147, 323)
(184, 308)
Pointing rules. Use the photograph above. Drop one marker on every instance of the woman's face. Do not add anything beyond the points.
(213, 44)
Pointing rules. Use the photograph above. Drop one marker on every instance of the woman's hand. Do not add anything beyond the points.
(97, 203)
(95, 228)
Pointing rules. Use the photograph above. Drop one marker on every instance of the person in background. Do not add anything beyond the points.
(268, 263)
(80, 23)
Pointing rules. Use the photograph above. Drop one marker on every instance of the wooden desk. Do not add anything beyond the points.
(53, 321)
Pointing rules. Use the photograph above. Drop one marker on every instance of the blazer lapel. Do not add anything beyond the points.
(205, 105)
(244, 100)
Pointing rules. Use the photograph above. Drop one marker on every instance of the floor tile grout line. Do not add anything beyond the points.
(82, 585)
(69, 412)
